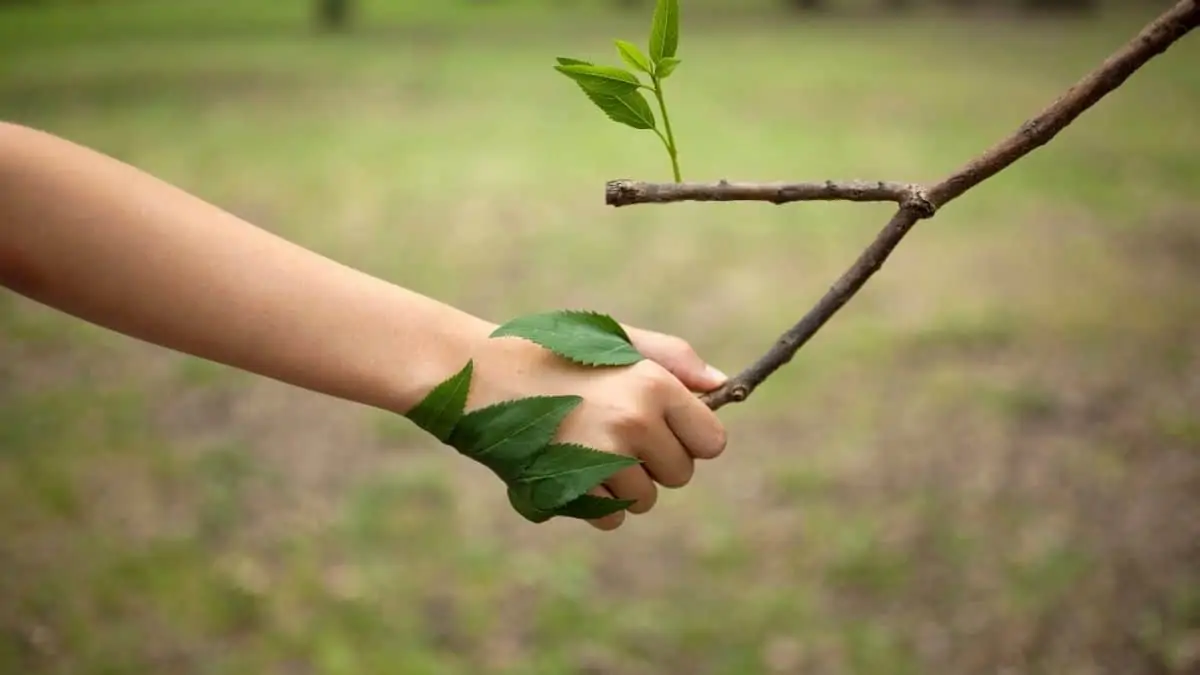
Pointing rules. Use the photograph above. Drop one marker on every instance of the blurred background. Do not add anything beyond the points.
(988, 462)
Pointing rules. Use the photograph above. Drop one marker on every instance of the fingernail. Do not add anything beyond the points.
(716, 375)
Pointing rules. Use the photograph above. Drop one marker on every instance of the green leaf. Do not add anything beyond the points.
(520, 496)
(604, 80)
(442, 407)
(584, 337)
(506, 437)
(664, 31)
(564, 471)
(666, 67)
(590, 507)
(586, 507)
(630, 109)
(633, 56)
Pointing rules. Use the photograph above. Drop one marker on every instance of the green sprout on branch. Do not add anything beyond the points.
(617, 91)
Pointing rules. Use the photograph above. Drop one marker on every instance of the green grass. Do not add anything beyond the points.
(987, 459)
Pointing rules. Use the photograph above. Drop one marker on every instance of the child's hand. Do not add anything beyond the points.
(648, 410)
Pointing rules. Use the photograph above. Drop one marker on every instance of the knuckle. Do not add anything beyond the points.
(680, 346)
(630, 421)
(655, 380)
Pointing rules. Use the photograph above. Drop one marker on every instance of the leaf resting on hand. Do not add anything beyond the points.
(520, 496)
(590, 507)
(515, 439)
(588, 338)
(440, 410)
(506, 437)
(564, 471)
(587, 507)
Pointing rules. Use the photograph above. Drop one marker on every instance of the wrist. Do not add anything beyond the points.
(453, 339)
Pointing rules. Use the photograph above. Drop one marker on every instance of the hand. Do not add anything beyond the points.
(648, 410)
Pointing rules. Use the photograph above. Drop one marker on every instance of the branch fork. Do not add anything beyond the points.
(914, 202)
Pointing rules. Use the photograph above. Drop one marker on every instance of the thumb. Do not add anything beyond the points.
(694, 373)
(679, 358)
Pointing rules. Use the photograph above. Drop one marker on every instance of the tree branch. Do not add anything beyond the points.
(628, 192)
(915, 203)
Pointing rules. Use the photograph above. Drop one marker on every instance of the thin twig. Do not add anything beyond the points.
(628, 192)
(1153, 40)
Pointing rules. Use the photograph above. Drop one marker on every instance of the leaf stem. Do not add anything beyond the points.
(669, 140)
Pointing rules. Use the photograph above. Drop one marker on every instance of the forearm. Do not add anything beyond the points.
(100, 240)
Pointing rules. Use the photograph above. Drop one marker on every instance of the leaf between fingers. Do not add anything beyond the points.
(520, 496)
(564, 471)
(591, 507)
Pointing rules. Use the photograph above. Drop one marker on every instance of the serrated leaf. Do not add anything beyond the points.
(559, 460)
(603, 80)
(563, 471)
(588, 338)
(506, 437)
(591, 507)
(442, 407)
(664, 30)
(666, 67)
(633, 56)
(630, 109)
(520, 496)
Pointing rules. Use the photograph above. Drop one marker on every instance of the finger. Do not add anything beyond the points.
(664, 457)
(678, 358)
(695, 425)
(633, 483)
(613, 520)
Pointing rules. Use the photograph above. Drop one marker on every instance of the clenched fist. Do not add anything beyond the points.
(649, 410)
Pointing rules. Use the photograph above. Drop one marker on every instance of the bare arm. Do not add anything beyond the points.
(103, 241)
(109, 244)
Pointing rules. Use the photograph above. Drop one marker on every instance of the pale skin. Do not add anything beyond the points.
(112, 245)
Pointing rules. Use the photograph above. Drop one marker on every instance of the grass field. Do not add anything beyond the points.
(988, 462)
